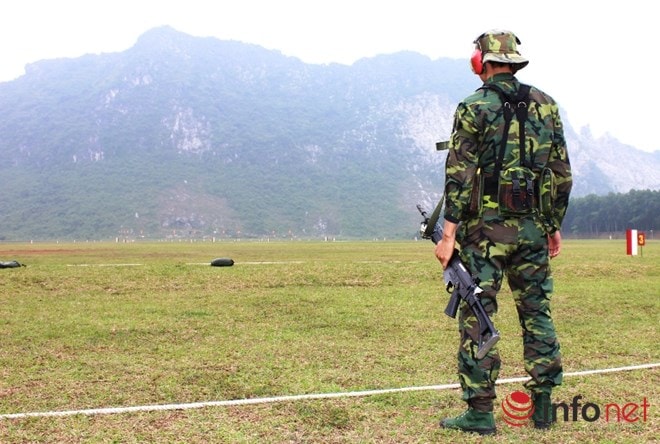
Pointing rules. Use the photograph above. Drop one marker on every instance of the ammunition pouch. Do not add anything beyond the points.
(517, 192)
(547, 192)
(476, 194)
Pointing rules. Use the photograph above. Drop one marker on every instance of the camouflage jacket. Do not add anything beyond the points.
(476, 141)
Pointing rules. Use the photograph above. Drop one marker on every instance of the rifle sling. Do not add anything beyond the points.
(433, 220)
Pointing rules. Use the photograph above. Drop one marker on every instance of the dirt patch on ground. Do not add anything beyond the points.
(42, 252)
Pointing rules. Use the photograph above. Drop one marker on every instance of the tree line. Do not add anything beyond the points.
(611, 214)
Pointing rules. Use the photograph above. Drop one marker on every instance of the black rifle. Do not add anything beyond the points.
(460, 283)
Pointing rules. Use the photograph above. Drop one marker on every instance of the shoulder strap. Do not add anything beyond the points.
(512, 105)
(433, 220)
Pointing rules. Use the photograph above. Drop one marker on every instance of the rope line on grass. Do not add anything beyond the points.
(311, 396)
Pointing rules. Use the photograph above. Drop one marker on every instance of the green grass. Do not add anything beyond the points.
(295, 318)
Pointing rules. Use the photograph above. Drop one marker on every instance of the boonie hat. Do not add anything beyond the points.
(498, 45)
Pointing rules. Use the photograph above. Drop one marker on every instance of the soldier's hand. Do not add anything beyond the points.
(554, 244)
(445, 248)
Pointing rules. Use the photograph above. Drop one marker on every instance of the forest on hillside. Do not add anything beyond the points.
(598, 216)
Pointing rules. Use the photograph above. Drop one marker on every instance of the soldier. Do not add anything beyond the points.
(507, 185)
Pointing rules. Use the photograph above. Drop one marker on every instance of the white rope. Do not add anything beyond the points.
(252, 401)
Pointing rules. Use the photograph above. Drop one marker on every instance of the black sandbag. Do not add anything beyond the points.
(222, 262)
(11, 264)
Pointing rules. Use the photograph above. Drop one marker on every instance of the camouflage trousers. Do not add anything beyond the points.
(494, 247)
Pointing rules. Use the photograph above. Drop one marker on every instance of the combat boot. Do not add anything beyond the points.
(471, 420)
(543, 415)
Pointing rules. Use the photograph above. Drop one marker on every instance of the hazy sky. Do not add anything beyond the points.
(595, 58)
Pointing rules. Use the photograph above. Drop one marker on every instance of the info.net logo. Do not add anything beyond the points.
(518, 409)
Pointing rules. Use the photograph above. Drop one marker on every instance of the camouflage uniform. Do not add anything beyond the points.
(494, 245)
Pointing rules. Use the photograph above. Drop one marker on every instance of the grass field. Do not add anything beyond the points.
(93, 325)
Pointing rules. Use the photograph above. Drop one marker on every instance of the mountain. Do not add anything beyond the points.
(181, 136)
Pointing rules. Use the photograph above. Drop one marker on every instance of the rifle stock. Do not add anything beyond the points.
(462, 286)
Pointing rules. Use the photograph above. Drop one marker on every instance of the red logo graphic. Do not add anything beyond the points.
(518, 408)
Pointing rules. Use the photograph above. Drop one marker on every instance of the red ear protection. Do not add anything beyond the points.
(476, 61)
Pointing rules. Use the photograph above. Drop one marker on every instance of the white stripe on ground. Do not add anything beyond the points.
(237, 402)
(248, 263)
(104, 265)
(187, 263)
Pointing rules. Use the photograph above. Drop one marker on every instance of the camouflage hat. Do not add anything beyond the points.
(501, 46)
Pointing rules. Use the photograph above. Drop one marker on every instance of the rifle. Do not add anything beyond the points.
(460, 283)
